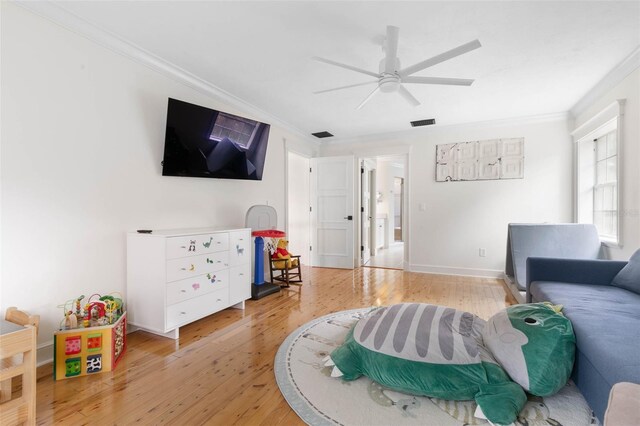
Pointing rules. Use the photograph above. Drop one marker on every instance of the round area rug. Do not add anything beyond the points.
(319, 399)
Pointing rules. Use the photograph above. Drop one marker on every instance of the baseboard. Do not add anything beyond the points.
(448, 270)
(44, 354)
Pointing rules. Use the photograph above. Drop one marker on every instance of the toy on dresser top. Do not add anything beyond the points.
(98, 311)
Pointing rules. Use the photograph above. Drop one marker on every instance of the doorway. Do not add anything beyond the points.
(298, 221)
(383, 211)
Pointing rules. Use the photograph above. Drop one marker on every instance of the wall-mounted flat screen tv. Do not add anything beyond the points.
(202, 142)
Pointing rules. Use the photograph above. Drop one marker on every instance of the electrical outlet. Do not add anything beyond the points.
(482, 252)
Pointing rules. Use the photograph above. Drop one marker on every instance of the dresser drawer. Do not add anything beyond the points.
(182, 290)
(239, 248)
(239, 283)
(186, 267)
(194, 245)
(196, 308)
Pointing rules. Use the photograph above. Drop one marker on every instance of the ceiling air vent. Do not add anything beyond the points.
(321, 135)
(419, 123)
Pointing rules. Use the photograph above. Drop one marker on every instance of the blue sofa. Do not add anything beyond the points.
(603, 305)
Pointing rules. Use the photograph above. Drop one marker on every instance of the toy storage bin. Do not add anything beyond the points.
(84, 351)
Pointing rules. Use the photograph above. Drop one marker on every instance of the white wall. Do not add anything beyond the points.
(629, 89)
(461, 217)
(82, 141)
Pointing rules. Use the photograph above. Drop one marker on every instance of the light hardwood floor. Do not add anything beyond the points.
(220, 372)
(391, 257)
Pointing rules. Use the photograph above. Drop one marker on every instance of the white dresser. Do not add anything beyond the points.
(175, 277)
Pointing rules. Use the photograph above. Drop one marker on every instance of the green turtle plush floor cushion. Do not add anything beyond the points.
(438, 352)
(538, 352)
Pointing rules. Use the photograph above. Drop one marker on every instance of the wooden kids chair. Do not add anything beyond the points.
(11, 365)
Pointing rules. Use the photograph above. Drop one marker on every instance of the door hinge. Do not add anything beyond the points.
(309, 248)
(309, 169)
(310, 208)
(361, 169)
(361, 248)
(361, 209)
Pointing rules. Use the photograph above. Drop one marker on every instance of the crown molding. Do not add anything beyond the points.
(612, 111)
(609, 81)
(80, 26)
(407, 133)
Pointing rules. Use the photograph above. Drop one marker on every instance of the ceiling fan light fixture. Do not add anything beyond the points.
(391, 75)
(389, 83)
(426, 122)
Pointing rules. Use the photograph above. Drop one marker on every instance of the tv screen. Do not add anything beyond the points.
(202, 142)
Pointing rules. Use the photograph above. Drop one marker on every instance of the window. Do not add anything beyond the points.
(240, 130)
(597, 173)
(605, 188)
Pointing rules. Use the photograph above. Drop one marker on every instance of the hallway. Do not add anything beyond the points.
(392, 257)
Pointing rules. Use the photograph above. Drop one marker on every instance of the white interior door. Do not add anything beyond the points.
(365, 214)
(332, 212)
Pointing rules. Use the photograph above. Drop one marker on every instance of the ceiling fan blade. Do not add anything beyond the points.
(438, 80)
(349, 67)
(391, 49)
(344, 87)
(467, 47)
(368, 98)
(408, 96)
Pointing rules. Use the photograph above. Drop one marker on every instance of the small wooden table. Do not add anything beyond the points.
(18, 358)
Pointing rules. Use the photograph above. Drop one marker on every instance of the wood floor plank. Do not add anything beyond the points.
(220, 371)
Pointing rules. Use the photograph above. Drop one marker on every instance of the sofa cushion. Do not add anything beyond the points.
(629, 277)
(605, 320)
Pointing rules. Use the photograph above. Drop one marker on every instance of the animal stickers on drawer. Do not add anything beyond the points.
(195, 286)
(192, 245)
(208, 244)
(239, 250)
(211, 278)
(191, 268)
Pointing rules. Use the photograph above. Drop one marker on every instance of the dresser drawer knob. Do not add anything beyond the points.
(183, 313)
(183, 291)
(183, 246)
(241, 274)
(219, 300)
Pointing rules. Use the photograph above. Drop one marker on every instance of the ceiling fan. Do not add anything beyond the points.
(391, 77)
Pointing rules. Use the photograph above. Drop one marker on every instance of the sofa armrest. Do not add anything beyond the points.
(571, 271)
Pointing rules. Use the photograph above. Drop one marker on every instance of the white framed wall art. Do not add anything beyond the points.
(480, 160)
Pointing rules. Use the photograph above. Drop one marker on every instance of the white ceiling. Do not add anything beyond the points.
(537, 57)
